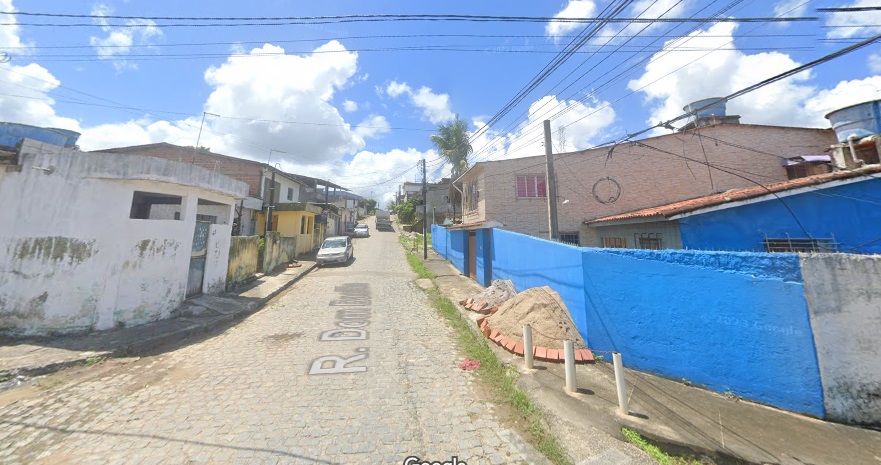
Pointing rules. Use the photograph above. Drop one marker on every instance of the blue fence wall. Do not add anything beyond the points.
(440, 238)
(845, 212)
(733, 322)
(531, 262)
(484, 254)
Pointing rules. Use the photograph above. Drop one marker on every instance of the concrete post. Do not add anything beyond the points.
(569, 355)
(620, 384)
(527, 347)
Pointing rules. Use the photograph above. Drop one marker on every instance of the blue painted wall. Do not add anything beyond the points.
(484, 251)
(457, 249)
(850, 213)
(531, 262)
(733, 322)
(439, 240)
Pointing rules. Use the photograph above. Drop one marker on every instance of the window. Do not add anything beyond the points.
(615, 242)
(569, 238)
(207, 218)
(531, 187)
(798, 244)
(290, 193)
(472, 195)
(154, 206)
(651, 241)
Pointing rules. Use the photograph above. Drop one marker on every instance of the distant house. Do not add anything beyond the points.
(607, 181)
(438, 193)
(96, 241)
(269, 188)
(823, 213)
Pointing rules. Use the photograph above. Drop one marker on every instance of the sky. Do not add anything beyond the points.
(356, 102)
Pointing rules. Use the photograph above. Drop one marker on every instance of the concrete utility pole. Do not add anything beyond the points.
(424, 214)
(551, 184)
(271, 205)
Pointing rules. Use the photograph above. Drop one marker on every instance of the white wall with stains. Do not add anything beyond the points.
(844, 300)
(72, 259)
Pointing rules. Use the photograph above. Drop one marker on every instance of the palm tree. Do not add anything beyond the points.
(451, 141)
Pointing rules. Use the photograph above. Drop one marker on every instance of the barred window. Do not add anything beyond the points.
(650, 241)
(531, 187)
(615, 242)
(472, 195)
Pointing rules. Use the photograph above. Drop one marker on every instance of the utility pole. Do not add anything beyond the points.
(326, 212)
(271, 205)
(424, 214)
(551, 184)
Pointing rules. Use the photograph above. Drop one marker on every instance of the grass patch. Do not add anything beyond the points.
(654, 452)
(493, 374)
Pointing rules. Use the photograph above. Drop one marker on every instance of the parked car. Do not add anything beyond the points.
(335, 250)
(362, 230)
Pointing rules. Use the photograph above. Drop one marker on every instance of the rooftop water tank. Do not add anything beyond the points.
(860, 120)
(12, 133)
(716, 107)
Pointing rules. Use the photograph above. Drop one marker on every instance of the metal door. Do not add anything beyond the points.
(197, 259)
(472, 254)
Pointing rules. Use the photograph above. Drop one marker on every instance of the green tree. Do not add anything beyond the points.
(369, 205)
(451, 141)
(406, 212)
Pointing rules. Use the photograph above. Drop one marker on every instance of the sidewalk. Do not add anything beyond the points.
(21, 359)
(729, 430)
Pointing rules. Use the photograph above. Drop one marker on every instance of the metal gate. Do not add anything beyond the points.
(197, 259)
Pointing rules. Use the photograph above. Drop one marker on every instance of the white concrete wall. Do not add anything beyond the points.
(217, 260)
(71, 259)
(844, 299)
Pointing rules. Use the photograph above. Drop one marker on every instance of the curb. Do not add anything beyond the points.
(151, 343)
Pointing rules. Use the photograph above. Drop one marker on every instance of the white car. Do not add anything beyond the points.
(335, 250)
(362, 230)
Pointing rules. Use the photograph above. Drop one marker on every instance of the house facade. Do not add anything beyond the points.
(269, 189)
(655, 171)
(823, 213)
(96, 241)
(437, 195)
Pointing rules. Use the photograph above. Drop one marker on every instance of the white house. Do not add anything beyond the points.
(96, 241)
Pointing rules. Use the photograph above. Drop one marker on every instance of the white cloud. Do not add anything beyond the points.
(119, 40)
(844, 94)
(875, 63)
(574, 9)
(584, 123)
(672, 80)
(370, 174)
(615, 33)
(350, 106)
(435, 107)
(790, 8)
(850, 24)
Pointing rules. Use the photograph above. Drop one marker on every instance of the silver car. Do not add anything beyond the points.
(335, 250)
(362, 230)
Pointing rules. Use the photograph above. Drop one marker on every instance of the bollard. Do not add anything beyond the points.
(527, 346)
(569, 355)
(619, 382)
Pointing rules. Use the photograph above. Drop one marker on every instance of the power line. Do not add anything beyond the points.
(358, 37)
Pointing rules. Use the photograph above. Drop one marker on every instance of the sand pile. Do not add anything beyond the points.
(496, 294)
(544, 310)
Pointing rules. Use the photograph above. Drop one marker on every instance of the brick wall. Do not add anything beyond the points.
(647, 177)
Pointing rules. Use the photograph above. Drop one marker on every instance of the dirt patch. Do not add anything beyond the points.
(544, 310)
(499, 292)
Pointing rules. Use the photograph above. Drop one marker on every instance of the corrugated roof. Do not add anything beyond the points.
(691, 205)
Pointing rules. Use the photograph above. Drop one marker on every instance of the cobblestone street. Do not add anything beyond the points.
(350, 365)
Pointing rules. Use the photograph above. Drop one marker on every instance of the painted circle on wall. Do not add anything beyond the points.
(606, 190)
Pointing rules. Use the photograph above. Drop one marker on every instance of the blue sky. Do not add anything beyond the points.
(358, 110)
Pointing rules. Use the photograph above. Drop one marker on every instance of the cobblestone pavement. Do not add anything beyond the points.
(382, 386)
